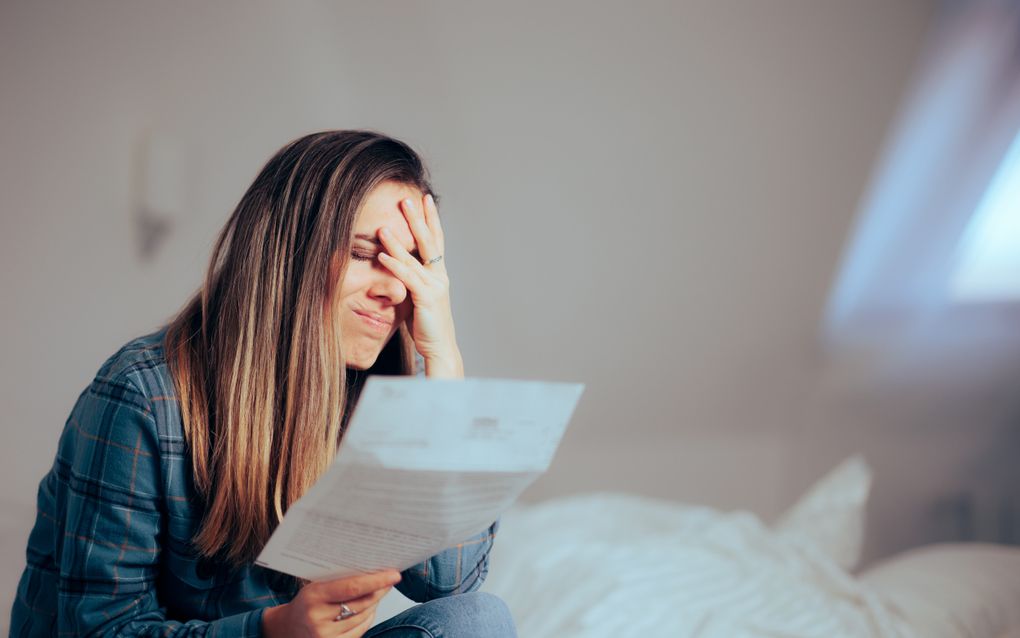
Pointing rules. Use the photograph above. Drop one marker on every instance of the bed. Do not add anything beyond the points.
(617, 565)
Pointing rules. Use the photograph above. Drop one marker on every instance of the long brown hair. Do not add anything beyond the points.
(256, 356)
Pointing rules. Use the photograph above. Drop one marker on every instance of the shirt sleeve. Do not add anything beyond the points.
(457, 570)
(109, 462)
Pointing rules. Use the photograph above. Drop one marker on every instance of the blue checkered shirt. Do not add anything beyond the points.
(109, 554)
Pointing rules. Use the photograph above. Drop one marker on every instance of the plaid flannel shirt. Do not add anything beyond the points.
(110, 552)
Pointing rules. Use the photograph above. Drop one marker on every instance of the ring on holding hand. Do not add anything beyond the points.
(434, 260)
(345, 612)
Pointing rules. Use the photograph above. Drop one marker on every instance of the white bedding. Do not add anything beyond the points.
(615, 565)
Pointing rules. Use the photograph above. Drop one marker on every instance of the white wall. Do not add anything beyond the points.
(650, 200)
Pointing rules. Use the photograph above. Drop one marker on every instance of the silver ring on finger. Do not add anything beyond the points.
(434, 260)
(345, 612)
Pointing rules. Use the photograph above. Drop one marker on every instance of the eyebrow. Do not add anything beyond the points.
(372, 240)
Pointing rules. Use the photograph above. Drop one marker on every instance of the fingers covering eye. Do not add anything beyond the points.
(432, 220)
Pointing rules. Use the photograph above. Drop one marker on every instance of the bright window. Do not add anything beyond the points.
(988, 257)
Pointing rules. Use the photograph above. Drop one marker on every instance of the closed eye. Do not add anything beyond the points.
(362, 256)
(375, 242)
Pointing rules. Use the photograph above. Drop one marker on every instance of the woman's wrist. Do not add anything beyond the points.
(272, 621)
(450, 366)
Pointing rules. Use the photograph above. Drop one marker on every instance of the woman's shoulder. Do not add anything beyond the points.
(118, 432)
(134, 379)
(139, 367)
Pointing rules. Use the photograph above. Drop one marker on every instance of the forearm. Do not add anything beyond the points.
(245, 625)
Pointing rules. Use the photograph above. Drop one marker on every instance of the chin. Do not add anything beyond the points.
(362, 362)
(360, 365)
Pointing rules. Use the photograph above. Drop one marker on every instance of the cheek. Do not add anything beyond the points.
(355, 280)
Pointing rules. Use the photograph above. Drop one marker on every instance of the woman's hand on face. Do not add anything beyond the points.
(431, 323)
(313, 611)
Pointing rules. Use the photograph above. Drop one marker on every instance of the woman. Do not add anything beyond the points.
(184, 453)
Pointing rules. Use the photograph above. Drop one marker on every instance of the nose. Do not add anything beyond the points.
(386, 287)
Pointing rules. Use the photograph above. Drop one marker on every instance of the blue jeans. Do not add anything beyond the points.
(472, 615)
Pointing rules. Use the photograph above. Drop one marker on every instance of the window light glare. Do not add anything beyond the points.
(988, 257)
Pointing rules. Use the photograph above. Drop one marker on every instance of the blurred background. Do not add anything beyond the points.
(765, 235)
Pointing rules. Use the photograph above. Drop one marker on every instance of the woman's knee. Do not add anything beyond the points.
(480, 604)
(477, 614)
(467, 616)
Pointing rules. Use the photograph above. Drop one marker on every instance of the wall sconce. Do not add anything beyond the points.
(158, 191)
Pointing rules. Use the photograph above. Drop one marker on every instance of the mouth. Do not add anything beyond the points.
(374, 321)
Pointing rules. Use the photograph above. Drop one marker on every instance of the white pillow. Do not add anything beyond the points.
(830, 515)
(952, 590)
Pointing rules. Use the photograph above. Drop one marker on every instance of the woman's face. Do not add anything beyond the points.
(372, 303)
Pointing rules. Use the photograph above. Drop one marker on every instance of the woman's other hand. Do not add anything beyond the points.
(313, 612)
(431, 323)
